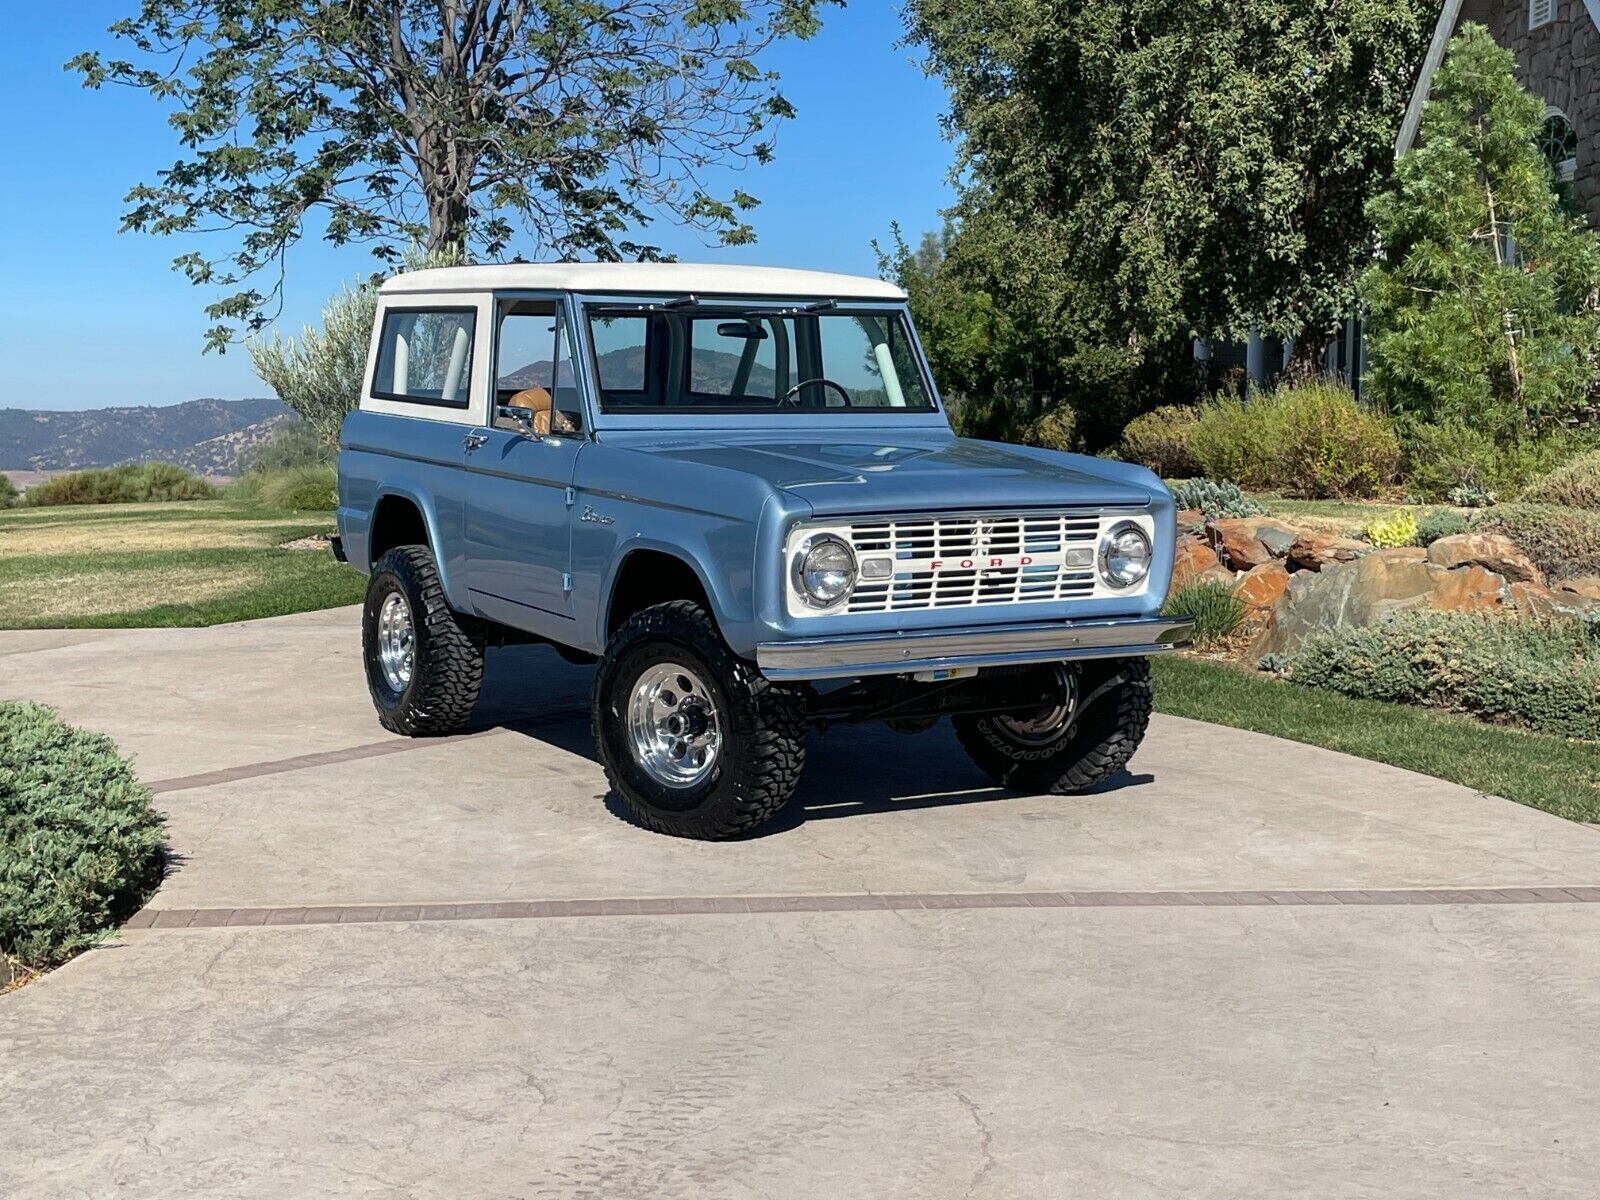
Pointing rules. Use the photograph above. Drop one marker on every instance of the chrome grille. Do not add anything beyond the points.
(955, 561)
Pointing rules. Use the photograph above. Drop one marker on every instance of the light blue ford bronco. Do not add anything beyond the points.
(737, 490)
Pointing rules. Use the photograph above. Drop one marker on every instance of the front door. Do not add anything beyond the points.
(518, 518)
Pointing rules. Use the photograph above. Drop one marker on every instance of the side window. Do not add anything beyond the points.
(533, 368)
(425, 356)
(736, 359)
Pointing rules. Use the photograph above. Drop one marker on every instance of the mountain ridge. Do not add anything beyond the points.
(205, 435)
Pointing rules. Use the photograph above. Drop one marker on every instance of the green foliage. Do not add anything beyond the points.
(1485, 307)
(321, 376)
(1054, 430)
(294, 443)
(1562, 542)
(8, 492)
(1436, 523)
(1217, 612)
(1397, 529)
(1543, 676)
(136, 483)
(313, 488)
(1137, 170)
(1160, 440)
(1576, 484)
(1216, 499)
(1310, 440)
(80, 845)
(390, 122)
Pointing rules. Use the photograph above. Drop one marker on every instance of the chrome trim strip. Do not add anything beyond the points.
(1001, 645)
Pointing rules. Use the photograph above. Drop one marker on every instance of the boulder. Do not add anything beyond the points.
(1260, 587)
(1492, 551)
(1191, 520)
(1587, 586)
(1542, 604)
(1195, 560)
(1246, 542)
(1314, 549)
(1366, 590)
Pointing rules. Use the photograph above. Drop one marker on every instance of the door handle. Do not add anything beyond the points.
(474, 441)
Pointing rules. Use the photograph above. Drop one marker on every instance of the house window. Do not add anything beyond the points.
(1541, 12)
(1559, 141)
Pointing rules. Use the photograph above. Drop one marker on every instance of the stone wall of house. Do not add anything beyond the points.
(1559, 62)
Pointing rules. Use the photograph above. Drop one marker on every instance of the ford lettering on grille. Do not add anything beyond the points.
(944, 562)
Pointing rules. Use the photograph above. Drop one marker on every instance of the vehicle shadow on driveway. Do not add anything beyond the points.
(851, 771)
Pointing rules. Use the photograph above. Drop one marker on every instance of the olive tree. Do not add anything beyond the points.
(449, 123)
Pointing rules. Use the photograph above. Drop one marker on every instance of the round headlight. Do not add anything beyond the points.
(824, 571)
(1125, 556)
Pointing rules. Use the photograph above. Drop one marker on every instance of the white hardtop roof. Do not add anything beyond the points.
(677, 279)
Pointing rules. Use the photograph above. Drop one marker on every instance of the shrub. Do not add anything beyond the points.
(1213, 498)
(1437, 523)
(1543, 676)
(1397, 529)
(135, 483)
(1054, 430)
(1460, 460)
(80, 846)
(300, 489)
(1217, 612)
(1442, 457)
(8, 492)
(1160, 440)
(1576, 485)
(1470, 495)
(1562, 542)
(1310, 439)
(294, 443)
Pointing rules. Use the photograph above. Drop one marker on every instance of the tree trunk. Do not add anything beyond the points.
(1306, 359)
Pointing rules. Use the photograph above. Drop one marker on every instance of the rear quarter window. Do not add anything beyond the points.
(425, 356)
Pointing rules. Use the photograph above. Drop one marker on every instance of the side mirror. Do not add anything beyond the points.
(521, 417)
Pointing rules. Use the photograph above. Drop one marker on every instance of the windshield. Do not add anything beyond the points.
(703, 358)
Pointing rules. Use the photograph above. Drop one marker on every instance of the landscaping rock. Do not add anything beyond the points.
(1587, 586)
(1314, 549)
(1246, 542)
(1366, 590)
(1260, 587)
(1194, 561)
(1542, 604)
(1191, 520)
(1491, 551)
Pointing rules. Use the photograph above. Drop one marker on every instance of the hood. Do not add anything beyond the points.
(850, 473)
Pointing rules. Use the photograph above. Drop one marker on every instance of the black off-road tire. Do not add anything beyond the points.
(447, 665)
(763, 728)
(1089, 752)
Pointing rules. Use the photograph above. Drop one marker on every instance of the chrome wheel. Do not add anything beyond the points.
(1047, 724)
(673, 725)
(397, 643)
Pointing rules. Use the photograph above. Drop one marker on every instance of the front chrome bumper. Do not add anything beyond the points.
(991, 646)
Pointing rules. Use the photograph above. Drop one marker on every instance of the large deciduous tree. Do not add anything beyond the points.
(1140, 171)
(1485, 305)
(446, 123)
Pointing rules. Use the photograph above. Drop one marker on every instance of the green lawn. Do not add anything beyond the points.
(201, 562)
(1550, 773)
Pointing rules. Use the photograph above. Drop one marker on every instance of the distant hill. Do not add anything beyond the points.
(206, 436)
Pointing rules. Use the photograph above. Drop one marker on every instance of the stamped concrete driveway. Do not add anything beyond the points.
(393, 968)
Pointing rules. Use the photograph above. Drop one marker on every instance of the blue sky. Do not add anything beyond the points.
(90, 317)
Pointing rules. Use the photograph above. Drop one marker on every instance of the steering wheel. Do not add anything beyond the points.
(793, 393)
